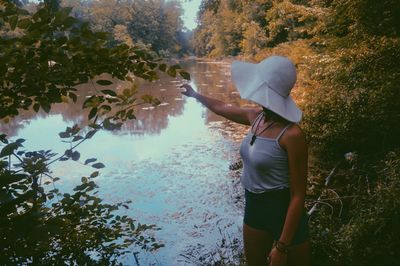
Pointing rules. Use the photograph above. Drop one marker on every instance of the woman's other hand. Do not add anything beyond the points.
(189, 91)
(277, 258)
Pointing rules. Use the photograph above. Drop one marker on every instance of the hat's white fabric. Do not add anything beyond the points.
(268, 83)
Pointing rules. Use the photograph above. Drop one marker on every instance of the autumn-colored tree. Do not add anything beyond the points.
(254, 38)
(231, 27)
(155, 23)
(288, 21)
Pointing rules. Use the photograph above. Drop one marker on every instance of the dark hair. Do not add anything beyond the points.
(268, 114)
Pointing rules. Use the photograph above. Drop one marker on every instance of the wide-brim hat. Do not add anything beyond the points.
(268, 83)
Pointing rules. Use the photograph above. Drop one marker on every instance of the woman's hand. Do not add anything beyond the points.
(277, 258)
(189, 90)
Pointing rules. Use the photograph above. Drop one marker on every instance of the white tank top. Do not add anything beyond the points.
(265, 164)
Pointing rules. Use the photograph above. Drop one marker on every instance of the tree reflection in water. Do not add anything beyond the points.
(211, 78)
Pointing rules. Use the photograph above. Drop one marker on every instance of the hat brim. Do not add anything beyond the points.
(251, 87)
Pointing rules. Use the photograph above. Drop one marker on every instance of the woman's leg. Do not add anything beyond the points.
(299, 255)
(257, 245)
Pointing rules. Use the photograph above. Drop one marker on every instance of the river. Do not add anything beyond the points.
(172, 162)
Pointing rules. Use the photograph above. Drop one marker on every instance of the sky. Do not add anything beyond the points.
(190, 8)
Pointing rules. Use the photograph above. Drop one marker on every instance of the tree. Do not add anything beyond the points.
(157, 23)
(288, 21)
(253, 38)
(105, 15)
(231, 27)
(358, 70)
(219, 32)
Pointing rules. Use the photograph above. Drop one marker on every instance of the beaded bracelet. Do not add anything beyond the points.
(282, 247)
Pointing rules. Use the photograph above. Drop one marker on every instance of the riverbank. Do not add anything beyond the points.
(350, 200)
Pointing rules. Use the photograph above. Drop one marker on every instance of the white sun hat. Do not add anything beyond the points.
(268, 83)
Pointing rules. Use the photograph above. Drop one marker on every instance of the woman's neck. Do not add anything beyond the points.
(270, 117)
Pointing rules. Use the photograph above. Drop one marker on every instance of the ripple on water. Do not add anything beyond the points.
(185, 195)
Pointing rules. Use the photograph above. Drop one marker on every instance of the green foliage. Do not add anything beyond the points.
(209, 5)
(380, 18)
(201, 42)
(39, 224)
(377, 224)
(158, 23)
(220, 30)
(356, 103)
(246, 27)
(254, 38)
(357, 106)
(288, 21)
(46, 227)
(155, 23)
(366, 233)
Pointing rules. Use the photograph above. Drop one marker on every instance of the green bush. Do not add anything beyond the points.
(356, 106)
(367, 232)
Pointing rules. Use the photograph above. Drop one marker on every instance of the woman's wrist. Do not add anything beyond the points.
(282, 247)
(194, 95)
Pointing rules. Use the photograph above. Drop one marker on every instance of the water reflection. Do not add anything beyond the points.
(214, 79)
(150, 119)
(211, 78)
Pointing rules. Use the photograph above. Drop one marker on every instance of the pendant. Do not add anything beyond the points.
(253, 138)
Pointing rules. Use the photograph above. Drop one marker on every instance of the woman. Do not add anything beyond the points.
(274, 154)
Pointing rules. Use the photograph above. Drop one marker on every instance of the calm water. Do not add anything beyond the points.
(172, 162)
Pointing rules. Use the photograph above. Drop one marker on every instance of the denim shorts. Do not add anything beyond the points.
(267, 211)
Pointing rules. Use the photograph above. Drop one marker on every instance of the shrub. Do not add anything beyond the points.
(367, 231)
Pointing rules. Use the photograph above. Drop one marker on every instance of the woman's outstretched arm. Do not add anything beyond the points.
(243, 116)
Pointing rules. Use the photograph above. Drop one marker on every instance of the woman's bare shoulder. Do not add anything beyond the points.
(295, 131)
(293, 135)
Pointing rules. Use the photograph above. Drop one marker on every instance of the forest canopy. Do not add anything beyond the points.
(156, 23)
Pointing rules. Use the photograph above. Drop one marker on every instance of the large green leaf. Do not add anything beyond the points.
(184, 75)
(9, 149)
(13, 22)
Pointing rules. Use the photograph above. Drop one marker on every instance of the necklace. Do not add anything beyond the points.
(253, 138)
